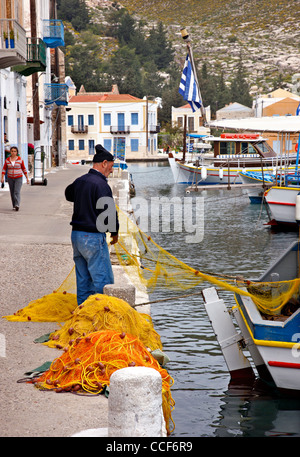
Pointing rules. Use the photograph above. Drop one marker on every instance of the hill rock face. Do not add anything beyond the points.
(265, 33)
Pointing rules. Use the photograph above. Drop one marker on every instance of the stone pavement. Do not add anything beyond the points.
(36, 257)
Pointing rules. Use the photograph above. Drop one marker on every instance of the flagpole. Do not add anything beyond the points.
(185, 36)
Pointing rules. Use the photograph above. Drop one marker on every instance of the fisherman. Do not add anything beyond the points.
(94, 214)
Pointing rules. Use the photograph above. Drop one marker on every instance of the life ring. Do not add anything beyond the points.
(296, 147)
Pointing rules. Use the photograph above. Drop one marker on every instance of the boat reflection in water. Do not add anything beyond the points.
(252, 411)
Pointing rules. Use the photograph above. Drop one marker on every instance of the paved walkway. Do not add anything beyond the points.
(36, 256)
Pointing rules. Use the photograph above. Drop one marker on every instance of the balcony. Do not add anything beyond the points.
(119, 129)
(12, 43)
(154, 128)
(53, 33)
(36, 57)
(79, 129)
(56, 93)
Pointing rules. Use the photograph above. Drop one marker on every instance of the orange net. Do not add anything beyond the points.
(89, 361)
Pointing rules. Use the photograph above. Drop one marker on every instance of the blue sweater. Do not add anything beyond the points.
(85, 192)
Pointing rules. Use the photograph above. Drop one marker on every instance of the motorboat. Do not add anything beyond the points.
(233, 153)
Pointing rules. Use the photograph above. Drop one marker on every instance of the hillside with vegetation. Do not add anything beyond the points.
(240, 47)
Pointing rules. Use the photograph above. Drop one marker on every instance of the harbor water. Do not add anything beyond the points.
(234, 241)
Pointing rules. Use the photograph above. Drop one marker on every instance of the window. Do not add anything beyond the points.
(107, 118)
(91, 147)
(107, 145)
(71, 145)
(134, 145)
(80, 121)
(70, 120)
(134, 118)
(81, 145)
(91, 119)
(179, 122)
(191, 126)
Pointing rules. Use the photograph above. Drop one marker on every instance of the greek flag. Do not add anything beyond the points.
(188, 87)
(298, 110)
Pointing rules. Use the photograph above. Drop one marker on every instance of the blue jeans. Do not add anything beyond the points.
(92, 263)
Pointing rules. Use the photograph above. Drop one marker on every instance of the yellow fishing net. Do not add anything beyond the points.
(88, 363)
(147, 263)
(102, 312)
(55, 307)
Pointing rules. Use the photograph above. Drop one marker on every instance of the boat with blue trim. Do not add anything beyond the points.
(266, 347)
(232, 153)
(264, 181)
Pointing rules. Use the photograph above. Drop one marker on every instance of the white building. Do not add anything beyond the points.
(122, 123)
(26, 77)
(13, 113)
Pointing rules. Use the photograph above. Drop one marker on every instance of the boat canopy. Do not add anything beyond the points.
(195, 135)
(278, 124)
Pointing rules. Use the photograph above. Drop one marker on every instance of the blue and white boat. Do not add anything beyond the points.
(263, 181)
(264, 348)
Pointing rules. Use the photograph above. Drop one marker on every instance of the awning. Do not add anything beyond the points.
(30, 120)
(277, 124)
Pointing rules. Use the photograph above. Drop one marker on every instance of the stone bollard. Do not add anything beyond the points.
(135, 403)
(126, 293)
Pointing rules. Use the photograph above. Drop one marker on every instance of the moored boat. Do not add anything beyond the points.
(263, 181)
(282, 203)
(272, 342)
(233, 153)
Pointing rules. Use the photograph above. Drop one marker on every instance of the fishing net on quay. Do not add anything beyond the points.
(88, 363)
(146, 264)
(102, 335)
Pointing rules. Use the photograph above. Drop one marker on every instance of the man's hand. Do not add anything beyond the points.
(114, 239)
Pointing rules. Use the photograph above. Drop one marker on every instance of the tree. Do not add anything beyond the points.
(162, 52)
(240, 87)
(74, 11)
(124, 70)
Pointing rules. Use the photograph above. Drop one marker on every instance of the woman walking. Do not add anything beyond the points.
(15, 168)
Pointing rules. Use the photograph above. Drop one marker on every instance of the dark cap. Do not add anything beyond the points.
(102, 154)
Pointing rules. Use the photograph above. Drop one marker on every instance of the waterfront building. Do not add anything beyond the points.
(122, 123)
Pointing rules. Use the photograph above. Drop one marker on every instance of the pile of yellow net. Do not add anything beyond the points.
(102, 312)
(88, 363)
(55, 307)
(147, 263)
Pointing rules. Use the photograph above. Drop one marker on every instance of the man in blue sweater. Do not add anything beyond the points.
(94, 214)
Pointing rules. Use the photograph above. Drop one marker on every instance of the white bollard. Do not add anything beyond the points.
(135, 403)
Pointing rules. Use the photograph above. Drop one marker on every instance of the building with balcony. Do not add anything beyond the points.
(12, 42)
(122, 123)
(33, 94)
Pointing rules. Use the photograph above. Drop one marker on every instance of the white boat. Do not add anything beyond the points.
(233, 153)
(283, 203)
(268, 349)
